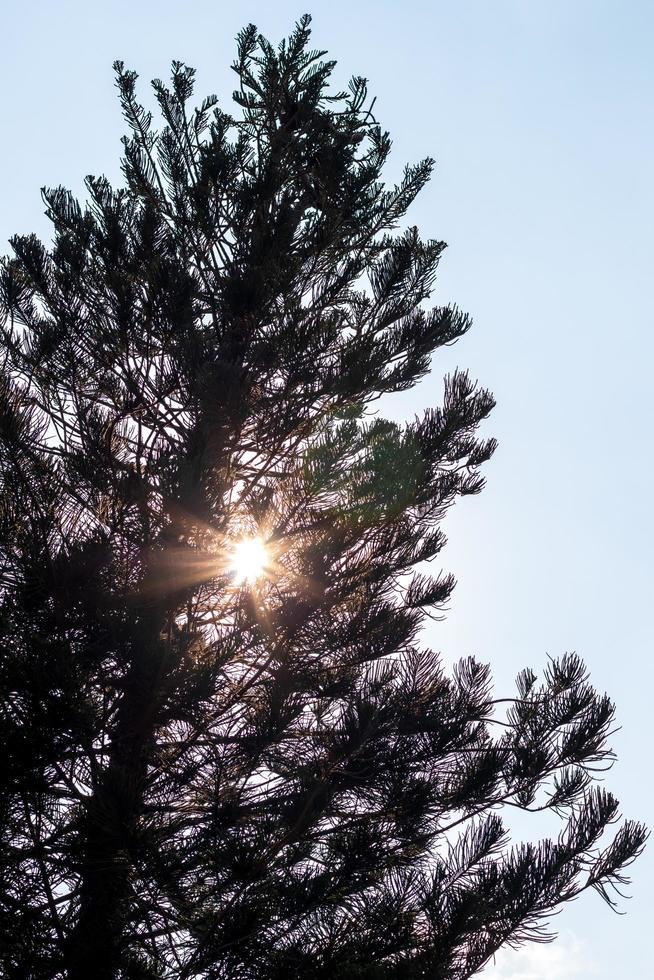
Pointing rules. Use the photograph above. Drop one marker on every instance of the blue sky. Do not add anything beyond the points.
(538, 113)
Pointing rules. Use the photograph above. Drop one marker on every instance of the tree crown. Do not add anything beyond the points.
(214, 777)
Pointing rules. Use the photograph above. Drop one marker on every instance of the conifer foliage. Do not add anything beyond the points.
(215, 771)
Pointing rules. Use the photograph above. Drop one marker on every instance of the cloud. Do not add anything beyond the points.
(564, 959)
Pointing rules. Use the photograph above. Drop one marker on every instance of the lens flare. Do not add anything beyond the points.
(249, 560)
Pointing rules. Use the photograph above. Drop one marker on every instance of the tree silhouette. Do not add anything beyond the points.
(217, 769)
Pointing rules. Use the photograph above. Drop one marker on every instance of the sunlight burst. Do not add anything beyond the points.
(248, 561)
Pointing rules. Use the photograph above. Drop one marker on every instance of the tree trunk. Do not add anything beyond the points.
(111, 819)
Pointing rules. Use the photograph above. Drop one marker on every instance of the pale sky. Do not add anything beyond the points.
(539, 114)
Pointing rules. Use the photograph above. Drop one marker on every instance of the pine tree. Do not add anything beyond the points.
(228, 755)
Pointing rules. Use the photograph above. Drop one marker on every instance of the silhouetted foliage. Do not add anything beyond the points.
(211, 778)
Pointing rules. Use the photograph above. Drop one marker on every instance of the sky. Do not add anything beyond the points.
(538, 113)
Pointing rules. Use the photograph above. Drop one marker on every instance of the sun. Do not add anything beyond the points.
(249, 560)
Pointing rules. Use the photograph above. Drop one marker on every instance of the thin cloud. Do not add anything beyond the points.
(564, 959)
